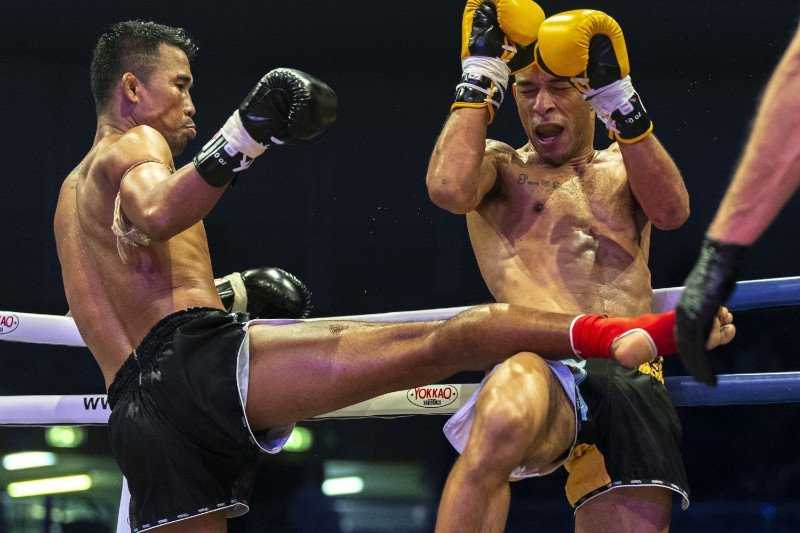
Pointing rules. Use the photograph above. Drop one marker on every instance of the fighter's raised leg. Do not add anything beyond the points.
(341, 363)
(522, 417)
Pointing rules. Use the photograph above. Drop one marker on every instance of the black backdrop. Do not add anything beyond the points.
(350, 214)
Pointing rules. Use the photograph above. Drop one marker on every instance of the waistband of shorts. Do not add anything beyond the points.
(161, 332)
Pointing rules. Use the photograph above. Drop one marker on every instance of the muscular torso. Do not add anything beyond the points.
(567, 239)
(115, 304)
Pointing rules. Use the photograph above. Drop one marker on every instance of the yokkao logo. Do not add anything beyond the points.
(432, 396)
(8, 323)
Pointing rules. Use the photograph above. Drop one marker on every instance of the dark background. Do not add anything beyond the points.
(351, 217)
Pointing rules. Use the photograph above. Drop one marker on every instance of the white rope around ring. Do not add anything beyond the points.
(442, 399)
(93, 409)
(60, 330)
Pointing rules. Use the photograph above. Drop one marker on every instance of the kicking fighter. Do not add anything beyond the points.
(198, 392)
(767, 176)
(559, 226)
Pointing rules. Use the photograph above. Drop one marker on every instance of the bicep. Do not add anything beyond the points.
(141, 178)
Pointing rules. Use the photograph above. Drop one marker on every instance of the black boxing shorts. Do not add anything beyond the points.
(178, 428)
(631, 438)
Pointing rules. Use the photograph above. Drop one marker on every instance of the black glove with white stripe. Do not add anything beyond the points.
(285, 106)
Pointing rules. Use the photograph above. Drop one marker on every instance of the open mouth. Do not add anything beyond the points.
(548, 133)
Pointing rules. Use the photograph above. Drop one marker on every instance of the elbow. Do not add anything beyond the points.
(145, 215)
(453, 201)
(156, 225)
(152, 221)
(671, 219)
(450, 197)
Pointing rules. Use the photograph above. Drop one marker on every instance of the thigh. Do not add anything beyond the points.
(524, 393)
(298, 371)
(626, 510)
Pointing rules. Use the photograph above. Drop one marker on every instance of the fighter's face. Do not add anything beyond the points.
(164, 102)
(558, 121)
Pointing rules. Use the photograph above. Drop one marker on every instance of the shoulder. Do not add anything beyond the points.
(136, 145)
(499, 153)
(610, 154)
(498, 148)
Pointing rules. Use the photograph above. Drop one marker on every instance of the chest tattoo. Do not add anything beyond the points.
(523, 179)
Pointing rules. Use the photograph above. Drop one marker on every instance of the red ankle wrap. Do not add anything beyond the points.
(592, 335)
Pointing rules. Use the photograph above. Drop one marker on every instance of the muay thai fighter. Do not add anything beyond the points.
(198, 392)
(560, 226)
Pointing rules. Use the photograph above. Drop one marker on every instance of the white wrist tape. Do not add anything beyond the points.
(493, 68)
(239, 292)
(233, 131)
(614, 96)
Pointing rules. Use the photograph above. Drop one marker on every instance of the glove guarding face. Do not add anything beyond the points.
(497, 39)
(588, 47)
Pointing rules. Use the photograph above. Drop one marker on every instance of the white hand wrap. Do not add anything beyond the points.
(234, 132)
(614, 96)
(493, 68)
(239, 304)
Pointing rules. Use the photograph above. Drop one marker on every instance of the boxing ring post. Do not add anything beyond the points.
(732, 389)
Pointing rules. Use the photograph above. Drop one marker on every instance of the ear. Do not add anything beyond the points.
(130, 87)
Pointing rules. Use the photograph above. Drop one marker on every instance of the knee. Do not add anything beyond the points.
(499, 438)
(511, 409)
(504, 422)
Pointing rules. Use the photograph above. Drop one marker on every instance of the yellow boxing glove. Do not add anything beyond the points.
(588, 47)
(497, 39)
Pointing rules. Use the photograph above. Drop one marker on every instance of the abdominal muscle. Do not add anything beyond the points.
(578, 247)
(574, 281)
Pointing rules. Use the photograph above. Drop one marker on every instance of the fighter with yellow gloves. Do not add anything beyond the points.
(497, 39)
(588, 47)
(529, 211)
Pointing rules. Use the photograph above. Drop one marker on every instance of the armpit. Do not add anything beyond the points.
(128, 236)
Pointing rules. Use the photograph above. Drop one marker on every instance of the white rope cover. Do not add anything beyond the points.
(54, 329)
(93, 409)
(731, 389)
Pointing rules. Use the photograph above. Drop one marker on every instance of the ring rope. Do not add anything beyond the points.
(732, 389)
(60, 330)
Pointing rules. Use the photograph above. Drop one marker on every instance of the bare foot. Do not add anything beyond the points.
(633, 349)
(723, 330)
(636, 348)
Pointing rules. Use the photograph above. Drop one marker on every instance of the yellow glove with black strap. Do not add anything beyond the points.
(588, 47)
(497, 39)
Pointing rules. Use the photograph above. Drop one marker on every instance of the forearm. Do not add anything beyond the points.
(656, 182)
(769, 171)
(453, 177)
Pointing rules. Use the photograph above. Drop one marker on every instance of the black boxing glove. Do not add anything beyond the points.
(268, 292)
(708, 286)
(285, 106)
